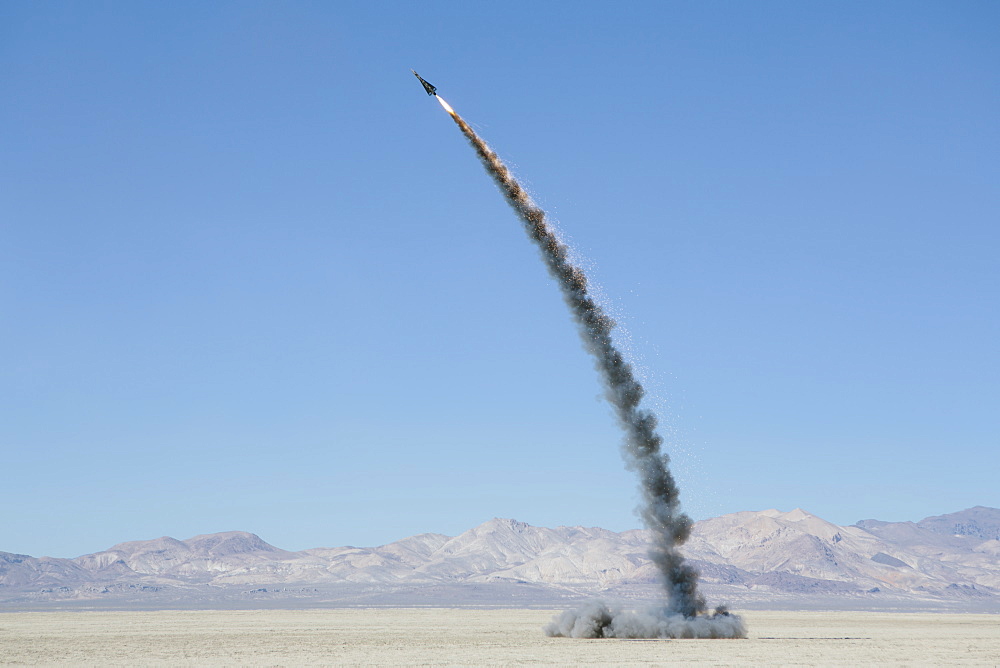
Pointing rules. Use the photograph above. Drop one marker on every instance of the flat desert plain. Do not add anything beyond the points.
(463, 637)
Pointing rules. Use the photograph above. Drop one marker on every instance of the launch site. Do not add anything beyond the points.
(696, 301)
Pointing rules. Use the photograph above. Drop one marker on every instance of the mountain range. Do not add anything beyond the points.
(755, 559)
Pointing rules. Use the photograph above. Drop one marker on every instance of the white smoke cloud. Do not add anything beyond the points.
(596, 620)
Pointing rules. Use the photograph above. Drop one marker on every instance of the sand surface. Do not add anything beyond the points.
(447, 637)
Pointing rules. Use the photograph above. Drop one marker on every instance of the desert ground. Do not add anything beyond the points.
(449, 637)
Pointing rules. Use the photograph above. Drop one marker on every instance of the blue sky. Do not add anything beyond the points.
(253, 278)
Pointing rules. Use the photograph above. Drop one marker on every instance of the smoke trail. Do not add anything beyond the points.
(660, 508)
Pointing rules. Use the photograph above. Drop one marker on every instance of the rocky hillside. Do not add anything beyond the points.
(755, 558)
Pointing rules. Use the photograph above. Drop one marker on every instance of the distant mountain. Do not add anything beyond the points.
(759, 559)
(978, 522)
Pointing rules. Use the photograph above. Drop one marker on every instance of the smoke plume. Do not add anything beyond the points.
(595, 620)
(684, 612)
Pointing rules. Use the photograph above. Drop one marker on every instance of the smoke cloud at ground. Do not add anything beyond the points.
(684, 612)
(596, 620)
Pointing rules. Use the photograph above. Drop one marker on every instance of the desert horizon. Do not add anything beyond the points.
(750, 560)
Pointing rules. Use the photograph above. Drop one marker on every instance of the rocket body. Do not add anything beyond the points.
(431, 90)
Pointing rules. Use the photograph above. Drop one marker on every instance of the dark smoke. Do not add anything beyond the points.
(660, 508)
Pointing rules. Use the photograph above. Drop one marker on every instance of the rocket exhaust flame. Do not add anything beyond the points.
(684, 612)
(447, 107)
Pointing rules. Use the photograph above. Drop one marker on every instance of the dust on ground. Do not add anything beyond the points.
(463, 637)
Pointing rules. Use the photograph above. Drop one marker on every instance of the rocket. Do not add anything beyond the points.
(431, 90)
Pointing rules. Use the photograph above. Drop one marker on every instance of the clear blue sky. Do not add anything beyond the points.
(252, 277)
